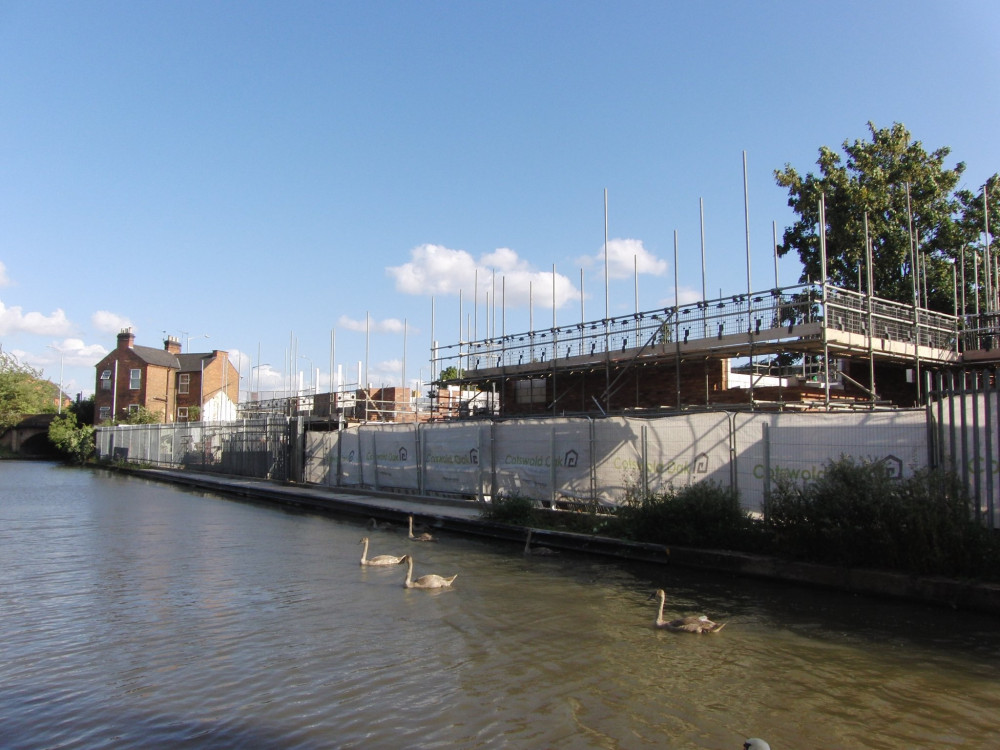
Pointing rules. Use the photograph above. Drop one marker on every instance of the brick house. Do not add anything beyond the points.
(175, 386)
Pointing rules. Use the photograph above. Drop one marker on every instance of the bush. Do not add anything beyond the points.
(857, 515)
(512, 508)
(75, 442)
(697, 515)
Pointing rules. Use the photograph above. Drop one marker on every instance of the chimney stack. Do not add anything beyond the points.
(172, 344)
(126, 339)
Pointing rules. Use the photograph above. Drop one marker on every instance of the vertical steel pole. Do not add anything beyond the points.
(823, 294)
(677, 341)
(871, 317)
(704, 294)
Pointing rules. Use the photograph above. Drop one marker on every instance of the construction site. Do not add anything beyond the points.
(803, 347)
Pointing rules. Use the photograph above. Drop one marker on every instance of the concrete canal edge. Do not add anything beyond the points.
(463, 517)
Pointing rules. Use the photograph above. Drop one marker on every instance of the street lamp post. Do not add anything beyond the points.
(59, 396)
(187, 345)
(257, 367)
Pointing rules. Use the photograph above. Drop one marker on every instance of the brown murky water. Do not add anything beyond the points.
(138, 615)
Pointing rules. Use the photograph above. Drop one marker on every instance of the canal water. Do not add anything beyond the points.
(140, 615)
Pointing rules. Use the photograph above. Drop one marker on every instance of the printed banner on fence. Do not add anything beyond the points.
(453, 456)
(798, 447)
(349, 446)
(390, 452)
(686, 449)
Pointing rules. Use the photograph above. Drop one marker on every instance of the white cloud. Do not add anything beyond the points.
(241, 361)
(75, 353)
(625, 259)
(388, 325)
(434, 269)
(503, 277)
(385, 373)
(13, 320)
(109, 322)
(267, 378)
(4, 278)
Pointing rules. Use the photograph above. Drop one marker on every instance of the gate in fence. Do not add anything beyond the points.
(964, 411)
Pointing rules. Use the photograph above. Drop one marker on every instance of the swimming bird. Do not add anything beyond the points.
(379, 559)
(540, 551)
(689, 624)
(755, 743)
(378, 525)
(430, 581)
(419, 537)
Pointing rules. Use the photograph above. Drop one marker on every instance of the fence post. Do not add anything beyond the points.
(733, 483)
(766, 434)
(552, 466)
(592, 468)
(493, 459)
(976, 456)
(989, 426)
(420, 458)
(375, 432)
(296, 449)
(339, 457)
(480, 494)
(644, 448)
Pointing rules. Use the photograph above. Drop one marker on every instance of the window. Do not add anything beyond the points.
(531, 391)
(182, 412)
(184, 382)
(106, 380)
(134, 379)
(105, 414)
(133, 408)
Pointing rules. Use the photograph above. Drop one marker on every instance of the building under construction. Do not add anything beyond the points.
(812, 346)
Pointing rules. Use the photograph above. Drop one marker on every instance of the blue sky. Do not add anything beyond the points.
(268, 173)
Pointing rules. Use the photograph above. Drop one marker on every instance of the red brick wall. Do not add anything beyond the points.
(649, 386)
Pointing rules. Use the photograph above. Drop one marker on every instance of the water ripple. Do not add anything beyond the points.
(139, 616)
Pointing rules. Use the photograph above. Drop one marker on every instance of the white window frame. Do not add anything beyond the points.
(182, 412)
(184, 382)
(135, 379)
(104, 413)
(133, 408)
(106, 380)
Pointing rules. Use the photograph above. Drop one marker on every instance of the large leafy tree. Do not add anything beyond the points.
(22, 391)
(908, 197)
(975, 209)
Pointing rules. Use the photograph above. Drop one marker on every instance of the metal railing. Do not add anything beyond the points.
(772, 315)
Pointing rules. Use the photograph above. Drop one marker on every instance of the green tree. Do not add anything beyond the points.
(74, 441)
(84, 410)
(449, 373)
(907, 195)
(22, 391)
(140, 415)
(974, 208)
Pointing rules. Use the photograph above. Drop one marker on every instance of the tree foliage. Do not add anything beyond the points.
(139, 415)
(84, 410)
(74, 441)
(22, 391)
(909, 197)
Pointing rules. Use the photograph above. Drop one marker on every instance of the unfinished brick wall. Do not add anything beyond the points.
(651, 386)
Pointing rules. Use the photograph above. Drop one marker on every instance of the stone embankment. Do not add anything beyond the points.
(465, 517)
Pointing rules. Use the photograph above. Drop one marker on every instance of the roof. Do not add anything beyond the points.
(163, 358)
(192, 362)
(153, 356)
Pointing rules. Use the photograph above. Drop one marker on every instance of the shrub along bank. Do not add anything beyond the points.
(854, 515)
